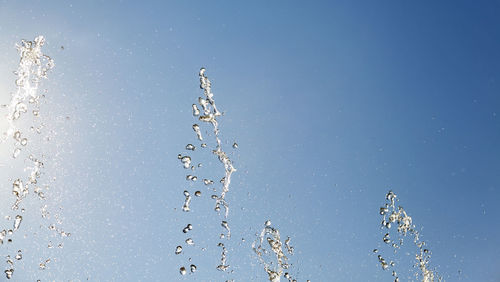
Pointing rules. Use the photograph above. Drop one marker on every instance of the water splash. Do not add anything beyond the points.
(271, 255)
(210, 115)
(33, 67)
(207, 113)
(394, 215)
(25, 134)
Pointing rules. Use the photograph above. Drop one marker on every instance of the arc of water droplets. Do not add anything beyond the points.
(272, 236)
(397, 215)
(33, 67)
(209, 115)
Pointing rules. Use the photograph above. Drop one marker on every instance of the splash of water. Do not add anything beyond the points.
(33, 67)
(396, 216)
(210, 114)
(207, 113)
(271, 255)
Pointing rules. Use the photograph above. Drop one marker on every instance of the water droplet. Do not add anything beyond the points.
(9, 261)
(208, 181)
(383, 210)
(386, 238)
(8, 273)
(207, 118)
(187, 201)
(17, 187)
(193, 268)
(186, 161)
(226, 226)
(43, 265)
(197, 193)
(16, 153)
(204, 145)
(182, 270)
(289, 248)
(187, 228)
(190, 147)
(204, 104)
(19, 255)
(196, 111)
(17, 222)
(196, 129)
(178, 250)
(235, 145)
(189, 241)
(24, 141)
(3, 233)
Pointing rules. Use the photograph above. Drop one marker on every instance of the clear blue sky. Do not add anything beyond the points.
(332, 104)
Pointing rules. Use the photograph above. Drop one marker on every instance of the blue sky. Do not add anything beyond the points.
(332, 104)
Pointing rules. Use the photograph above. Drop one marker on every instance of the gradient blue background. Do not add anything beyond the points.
(332, 104)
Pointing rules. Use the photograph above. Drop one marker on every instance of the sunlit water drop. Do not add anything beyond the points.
(187, 201)
(17, 222)
(192, 267)
(182, 270)
(196, 129)
(9, 272)
(226, 226)
(196, 111)
(178, 250)
(186, 161)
